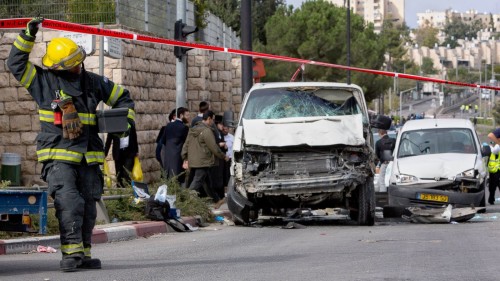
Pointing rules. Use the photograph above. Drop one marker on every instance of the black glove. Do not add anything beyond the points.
(32, 26)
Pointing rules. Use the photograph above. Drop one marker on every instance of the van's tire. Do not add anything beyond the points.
(365, 203)
(483, 200)
(239, 221)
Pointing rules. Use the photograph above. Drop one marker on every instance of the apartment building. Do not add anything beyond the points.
(376, 11)
(469, 53)
(438, 19)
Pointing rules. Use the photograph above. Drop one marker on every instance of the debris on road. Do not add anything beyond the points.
(294, 225)
(440, 215)
(45, 249)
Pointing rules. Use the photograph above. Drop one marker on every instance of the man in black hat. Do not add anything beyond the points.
(217, 171)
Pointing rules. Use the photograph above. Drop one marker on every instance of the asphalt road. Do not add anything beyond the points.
(390, 250)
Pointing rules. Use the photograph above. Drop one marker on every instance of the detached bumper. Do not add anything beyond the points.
(406, 196)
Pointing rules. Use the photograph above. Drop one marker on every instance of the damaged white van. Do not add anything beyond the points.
(302, 145)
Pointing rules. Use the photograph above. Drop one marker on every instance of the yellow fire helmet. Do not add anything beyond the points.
(63, 54)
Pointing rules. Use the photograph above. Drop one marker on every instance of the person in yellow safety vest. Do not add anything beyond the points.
(68, 144)
(467, 108)
(475, 108)
(462, 108)
(494, 164)
(493, 169)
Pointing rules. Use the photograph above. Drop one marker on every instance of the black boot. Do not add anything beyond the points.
(70, 264)
(89, 263)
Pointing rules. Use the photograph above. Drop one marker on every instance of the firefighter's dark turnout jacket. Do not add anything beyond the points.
(84, 153)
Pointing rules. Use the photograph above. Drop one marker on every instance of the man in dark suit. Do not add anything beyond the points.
(159, 144)
(383, 149)
(173, 139)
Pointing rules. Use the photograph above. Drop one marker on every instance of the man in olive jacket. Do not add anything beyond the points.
(198, 154)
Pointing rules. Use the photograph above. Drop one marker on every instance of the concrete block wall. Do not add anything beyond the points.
(147, 70)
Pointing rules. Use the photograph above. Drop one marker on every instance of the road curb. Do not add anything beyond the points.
(101, 234)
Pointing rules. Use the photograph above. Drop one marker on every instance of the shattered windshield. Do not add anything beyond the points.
(435, 141)
(286, 103)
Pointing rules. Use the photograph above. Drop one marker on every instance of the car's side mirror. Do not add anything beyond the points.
(381, 122)
(485, 150)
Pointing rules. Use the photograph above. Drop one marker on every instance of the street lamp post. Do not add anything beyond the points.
(401, 100)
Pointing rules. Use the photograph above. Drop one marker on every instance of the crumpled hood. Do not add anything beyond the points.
(445, 165)
(312, 131)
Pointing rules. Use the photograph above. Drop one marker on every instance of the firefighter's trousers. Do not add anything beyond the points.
(75, 189)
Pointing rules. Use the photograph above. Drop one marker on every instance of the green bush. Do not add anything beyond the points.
(127, 209)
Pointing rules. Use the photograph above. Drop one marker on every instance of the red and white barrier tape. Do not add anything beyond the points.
(20, 23)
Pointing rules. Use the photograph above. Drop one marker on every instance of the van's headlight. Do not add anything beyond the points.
(468, 174)
(406, 179)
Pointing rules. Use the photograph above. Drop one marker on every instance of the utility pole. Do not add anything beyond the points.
(181, 31)
(246, 44)
(493, 81)
(180, 66)
(348, 16)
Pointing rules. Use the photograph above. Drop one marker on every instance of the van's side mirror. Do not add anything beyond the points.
(485, 150)
(380, 122)
(228, 120)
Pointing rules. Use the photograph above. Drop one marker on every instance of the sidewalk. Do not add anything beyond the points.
(105, 233)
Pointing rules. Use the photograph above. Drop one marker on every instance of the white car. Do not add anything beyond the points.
(438, 162)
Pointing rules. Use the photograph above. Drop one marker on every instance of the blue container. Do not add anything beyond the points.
(174, 213)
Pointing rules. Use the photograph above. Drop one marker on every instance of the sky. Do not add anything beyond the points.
(418, 6)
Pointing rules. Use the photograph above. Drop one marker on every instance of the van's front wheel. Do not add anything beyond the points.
(363, 201)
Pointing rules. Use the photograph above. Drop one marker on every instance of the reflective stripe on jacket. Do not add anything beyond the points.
(86, 89)
(493, 164)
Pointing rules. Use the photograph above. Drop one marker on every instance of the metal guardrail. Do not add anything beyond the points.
(80, 11)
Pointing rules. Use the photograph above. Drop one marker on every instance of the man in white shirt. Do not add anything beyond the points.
(229, 139)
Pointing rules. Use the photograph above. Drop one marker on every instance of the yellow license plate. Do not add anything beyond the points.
(432, 197)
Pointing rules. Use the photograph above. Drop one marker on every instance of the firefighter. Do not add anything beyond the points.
(68, 144)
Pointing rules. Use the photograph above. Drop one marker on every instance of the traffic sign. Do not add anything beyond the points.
(87, 41)
(113, 47)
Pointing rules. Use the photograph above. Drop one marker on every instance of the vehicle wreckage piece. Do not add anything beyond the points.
(440, 215)
(429, 215)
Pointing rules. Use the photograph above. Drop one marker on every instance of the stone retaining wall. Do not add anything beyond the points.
(147, 70)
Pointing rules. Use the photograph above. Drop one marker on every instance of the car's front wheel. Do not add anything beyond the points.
(364, 201)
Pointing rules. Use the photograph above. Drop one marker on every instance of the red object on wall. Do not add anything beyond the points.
(258, 69)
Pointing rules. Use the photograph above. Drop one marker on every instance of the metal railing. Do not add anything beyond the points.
(155, 16)
(77, 11)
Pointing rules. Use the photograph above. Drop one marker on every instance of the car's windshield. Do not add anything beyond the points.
(285, 103)
(435, 141)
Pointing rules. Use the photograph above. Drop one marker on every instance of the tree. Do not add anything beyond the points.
(316, 31)
(496, 113)
(428, 66)
(227, 10)
(262, 10)
(391, 37)
(457, 29)
(427, 36)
